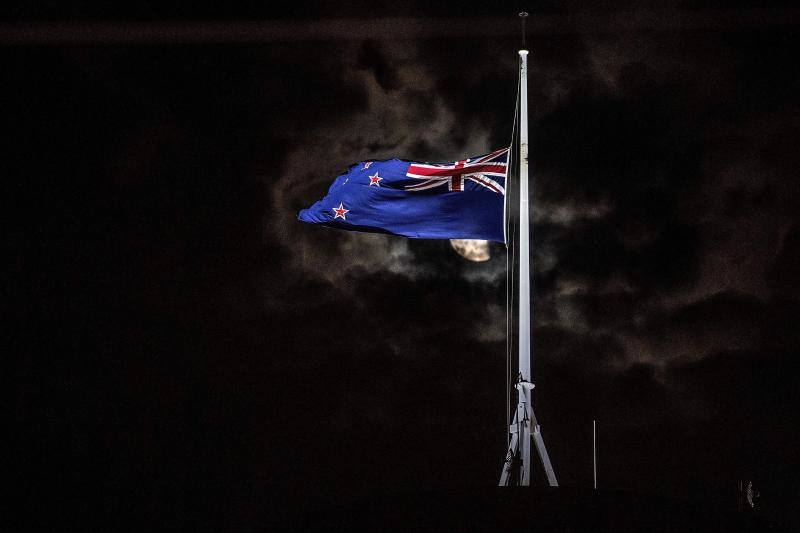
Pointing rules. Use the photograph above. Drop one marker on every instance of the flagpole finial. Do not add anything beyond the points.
(523, 15)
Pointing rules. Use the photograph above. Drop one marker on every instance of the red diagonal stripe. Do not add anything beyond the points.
(485, 183)
(487, 167)
(493, 154)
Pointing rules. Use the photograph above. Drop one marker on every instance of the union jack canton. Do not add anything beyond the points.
(482, 170)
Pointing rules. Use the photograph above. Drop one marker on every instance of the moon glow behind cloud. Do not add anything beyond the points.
(472, 249)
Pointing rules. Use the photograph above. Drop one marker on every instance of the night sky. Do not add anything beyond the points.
(182, 351)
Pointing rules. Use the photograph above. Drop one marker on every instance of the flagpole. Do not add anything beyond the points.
(524, 405)
(524, 426)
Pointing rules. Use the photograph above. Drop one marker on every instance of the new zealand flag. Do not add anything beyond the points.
(460, 200)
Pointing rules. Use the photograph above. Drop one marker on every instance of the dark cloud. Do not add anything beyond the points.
(784, 272)
(370, 57)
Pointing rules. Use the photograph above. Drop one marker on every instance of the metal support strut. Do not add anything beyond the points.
(528, 426)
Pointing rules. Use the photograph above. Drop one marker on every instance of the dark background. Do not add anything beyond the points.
(182, 352)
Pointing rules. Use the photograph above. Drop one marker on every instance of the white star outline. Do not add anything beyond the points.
(339, 212)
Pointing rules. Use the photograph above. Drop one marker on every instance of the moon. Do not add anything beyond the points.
(474, 250)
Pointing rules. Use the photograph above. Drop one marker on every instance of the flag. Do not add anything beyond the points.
(460, 200)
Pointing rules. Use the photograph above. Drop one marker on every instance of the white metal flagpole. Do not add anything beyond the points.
(524, 427)
(524, 406)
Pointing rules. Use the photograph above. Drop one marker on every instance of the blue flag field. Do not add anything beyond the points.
(460, 200)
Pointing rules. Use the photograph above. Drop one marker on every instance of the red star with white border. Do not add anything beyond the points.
(340, 211)
(375, 179)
